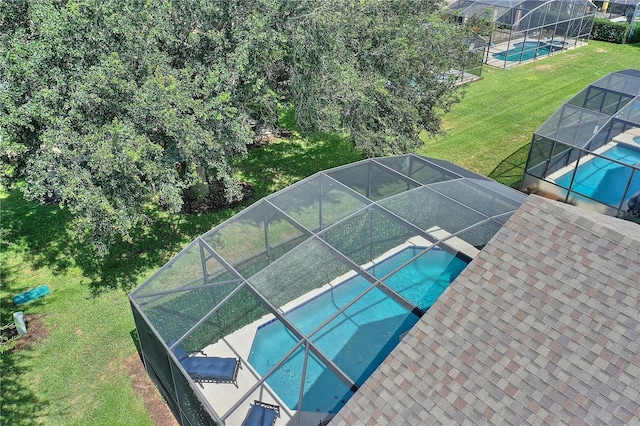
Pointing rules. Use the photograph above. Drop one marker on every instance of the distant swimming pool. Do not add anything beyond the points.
(360, 338)
(524, 51)
(604, 180)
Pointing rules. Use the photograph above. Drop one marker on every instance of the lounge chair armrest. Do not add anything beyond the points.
(273, 407)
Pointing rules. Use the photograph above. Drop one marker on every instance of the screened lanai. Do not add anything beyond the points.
(303, 294)
(619, 10)
(526, 30)
(588, 152)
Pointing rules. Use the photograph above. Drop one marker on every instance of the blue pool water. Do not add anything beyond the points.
(524, 51)
(360, 338)
(604, 180)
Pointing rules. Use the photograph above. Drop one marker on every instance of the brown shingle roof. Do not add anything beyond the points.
(542, 327)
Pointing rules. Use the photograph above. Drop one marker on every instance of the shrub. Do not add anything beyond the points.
(613, 32)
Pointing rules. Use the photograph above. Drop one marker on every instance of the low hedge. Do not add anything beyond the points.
(612, 32)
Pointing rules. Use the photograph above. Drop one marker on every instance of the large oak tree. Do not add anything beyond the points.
(110, 107)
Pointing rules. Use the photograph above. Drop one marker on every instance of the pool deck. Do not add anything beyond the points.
(232, 403)
(566, 169)
(628, 137)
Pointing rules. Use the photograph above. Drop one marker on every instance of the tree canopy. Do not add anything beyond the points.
(109, 107)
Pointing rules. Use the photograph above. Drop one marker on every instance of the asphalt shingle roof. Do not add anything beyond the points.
(542, 327)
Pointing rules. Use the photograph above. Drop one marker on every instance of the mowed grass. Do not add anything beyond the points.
(76, 375)
(499, 114)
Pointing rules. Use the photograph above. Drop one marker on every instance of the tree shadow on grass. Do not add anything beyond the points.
(42, 235)
(280, 164)
(128, 264)
(39, 231)
(19, 406)
(36, 233)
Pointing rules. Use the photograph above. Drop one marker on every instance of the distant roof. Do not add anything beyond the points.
(543, 326)
(524, 13)
(630, 2)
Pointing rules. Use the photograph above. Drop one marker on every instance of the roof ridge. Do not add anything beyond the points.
(597, 223)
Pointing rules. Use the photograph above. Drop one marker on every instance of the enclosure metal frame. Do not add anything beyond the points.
(601, 114)
(554, 25)
(388, 180)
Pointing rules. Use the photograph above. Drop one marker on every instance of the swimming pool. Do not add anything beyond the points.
(524, 51)
(603, 180)
(360, 338)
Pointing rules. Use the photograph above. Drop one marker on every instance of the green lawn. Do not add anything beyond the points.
(75, 376)
(499, 114)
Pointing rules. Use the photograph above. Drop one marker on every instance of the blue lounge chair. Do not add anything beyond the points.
(262, 414)
(209, 369)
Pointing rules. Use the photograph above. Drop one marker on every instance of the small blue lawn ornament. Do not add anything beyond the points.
(31, 295)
